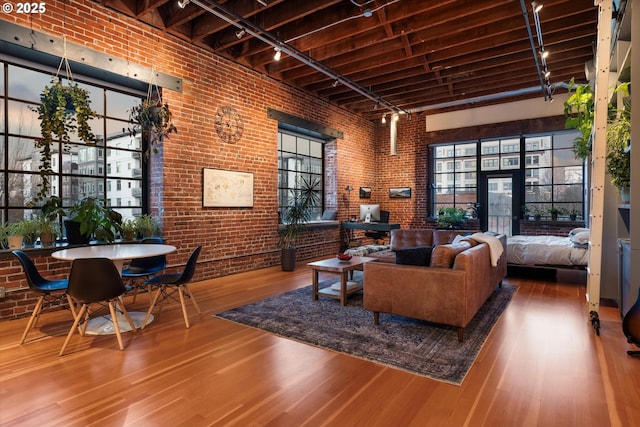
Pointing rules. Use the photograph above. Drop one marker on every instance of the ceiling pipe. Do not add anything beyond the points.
(485, 98)
(264, 36)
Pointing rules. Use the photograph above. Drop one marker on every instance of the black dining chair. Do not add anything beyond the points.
(45, 288)
(141, 268)
(96, 281)
(169, 284)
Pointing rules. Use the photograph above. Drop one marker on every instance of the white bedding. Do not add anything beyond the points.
(545, 250)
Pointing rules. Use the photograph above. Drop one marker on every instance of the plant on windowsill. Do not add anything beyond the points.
(128, 229)
(554, 212)
(295, 219)
(64, 110)
(146, 225)
(573, 214)
(93, 219)
(452, 218)
(619, 144)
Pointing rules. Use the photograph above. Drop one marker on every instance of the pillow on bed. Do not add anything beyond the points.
(577, 230)
(581, 238)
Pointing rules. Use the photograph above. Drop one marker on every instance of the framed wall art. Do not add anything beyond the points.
(365, 192)
(400, 192)
(226, 189)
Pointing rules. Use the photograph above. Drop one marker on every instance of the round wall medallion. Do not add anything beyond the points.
(228, 124)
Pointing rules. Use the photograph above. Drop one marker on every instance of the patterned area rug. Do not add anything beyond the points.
(415, 346)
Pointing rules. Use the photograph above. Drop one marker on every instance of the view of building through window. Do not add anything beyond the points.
(111, 170)
(553, 179)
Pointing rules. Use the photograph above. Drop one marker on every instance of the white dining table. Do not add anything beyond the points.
(118, 253)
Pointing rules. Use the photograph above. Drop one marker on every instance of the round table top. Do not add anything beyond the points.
(114, 252)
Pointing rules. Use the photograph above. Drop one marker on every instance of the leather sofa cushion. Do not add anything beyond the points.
(444, 255)
(420, 255)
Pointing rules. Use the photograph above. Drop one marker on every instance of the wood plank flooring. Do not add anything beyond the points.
(541, 366)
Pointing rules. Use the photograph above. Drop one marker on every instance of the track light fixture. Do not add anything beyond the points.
(262, 2)
(240, 33)
(544, 54)
(384, 119)
(277, 54)
(536, 7)
(335, 83)
(183, 3)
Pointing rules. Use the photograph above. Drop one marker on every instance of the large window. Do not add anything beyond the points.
(553, 177)
(110, 170)
(299, 158)
(455, 175)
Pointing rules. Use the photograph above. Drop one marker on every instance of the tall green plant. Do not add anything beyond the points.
(579, 113)
(618, 136)
(299, 212)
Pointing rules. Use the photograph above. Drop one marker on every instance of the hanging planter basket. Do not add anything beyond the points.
(153, 118)
(64, 109)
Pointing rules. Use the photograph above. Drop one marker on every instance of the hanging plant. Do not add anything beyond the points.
(63, 110)
(618, 142)
(152, 117)
(579, 112)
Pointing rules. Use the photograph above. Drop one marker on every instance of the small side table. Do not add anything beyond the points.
(334, 265)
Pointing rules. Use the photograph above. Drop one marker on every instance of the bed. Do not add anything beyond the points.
(549, 251)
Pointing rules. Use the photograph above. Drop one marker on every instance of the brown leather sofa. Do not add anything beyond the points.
(450, 291)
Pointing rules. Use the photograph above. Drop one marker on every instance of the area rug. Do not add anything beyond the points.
(411, 345)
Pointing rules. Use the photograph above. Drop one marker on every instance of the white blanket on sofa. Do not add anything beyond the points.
(495, 247)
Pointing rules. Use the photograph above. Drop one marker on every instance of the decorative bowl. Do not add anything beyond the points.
(344, 257)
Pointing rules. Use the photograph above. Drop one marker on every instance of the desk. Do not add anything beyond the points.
(349, 226)
(117, 253)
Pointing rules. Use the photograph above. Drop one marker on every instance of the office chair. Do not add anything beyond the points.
(142, 268)
(379, 235)
(44, 287)
(631, 326)
(169, 284)
(96, 281)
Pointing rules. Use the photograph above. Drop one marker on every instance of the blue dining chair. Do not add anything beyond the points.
(45, 288)
(169, 284)
(140, 269)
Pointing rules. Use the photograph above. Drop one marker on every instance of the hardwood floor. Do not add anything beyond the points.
(541, 366)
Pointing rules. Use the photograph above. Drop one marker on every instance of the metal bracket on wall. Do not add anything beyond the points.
(24, 43)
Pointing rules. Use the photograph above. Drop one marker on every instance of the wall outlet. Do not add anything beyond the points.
(3, 292)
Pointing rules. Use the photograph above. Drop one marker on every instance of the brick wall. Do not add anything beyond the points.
(237, 239)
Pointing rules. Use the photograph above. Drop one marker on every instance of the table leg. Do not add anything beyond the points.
(343, 288)
(314, 276)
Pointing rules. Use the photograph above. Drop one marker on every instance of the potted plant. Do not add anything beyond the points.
(90, 217)
(64, 110)
(573, 214)
(579, 114)
(146, 225)
(23, 233)
(451, 217)
(128, 229)
(295, 219)
(554, 211)
(152, 117)
(47, 230)
(4, 233)
(618, 145)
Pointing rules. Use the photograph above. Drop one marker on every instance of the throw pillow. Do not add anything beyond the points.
(420, 255)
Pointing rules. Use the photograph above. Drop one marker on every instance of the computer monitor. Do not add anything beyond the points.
(373, 210)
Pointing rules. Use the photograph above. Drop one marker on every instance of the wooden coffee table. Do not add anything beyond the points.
(334, 265)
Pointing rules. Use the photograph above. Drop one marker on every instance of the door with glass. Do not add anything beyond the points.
(499, 195)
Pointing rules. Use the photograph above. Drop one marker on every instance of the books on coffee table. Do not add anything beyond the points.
(350, 285)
